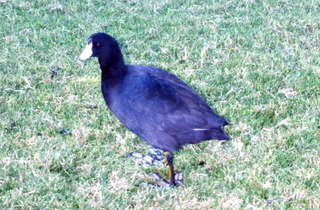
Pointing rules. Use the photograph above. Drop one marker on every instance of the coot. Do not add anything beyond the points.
(154, 104)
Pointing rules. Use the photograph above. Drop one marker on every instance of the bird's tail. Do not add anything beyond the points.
(219, 134)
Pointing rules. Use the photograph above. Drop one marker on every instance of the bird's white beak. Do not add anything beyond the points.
(86, 53)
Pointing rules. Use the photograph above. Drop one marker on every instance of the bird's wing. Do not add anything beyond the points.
(165, 112)
(173, 107)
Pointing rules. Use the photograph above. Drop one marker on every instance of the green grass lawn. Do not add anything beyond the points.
(257, 62)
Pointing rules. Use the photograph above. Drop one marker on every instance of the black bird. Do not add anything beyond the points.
(154, 104)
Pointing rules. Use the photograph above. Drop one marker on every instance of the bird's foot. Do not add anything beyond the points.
(162, 182)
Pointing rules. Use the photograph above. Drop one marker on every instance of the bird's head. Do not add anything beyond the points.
(104, 47)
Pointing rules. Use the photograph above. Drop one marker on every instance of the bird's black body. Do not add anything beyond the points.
(152, 103)
(160, 108)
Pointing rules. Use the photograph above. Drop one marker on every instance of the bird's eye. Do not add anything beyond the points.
(97, 44)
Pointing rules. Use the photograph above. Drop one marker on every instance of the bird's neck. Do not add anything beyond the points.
(113, 67)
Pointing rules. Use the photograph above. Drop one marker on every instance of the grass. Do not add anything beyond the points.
(256, 62)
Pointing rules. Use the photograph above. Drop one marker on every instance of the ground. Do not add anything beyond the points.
(256, 63)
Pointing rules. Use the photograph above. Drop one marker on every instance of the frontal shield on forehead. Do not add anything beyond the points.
(87, 52)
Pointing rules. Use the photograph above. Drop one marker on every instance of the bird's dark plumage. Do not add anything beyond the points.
(152, 103)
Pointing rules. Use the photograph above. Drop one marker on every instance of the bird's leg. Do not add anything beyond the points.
(175, 179)
(169, 160)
